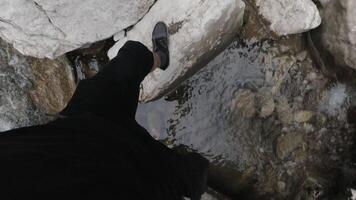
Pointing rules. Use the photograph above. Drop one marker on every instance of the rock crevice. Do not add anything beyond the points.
(49, 19)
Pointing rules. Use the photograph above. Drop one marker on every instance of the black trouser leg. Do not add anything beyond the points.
(113, 93)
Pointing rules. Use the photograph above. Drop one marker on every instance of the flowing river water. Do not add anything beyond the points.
(200, 114)
(260, 107)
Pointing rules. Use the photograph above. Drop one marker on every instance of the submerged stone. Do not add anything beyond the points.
(244, 103)
(288, 143)
(303, 116)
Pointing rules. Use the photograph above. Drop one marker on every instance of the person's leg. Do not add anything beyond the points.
(113, 93)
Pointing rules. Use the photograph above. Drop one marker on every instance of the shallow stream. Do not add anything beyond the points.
(199, 113)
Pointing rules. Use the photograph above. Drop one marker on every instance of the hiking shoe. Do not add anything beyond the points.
(160, 43)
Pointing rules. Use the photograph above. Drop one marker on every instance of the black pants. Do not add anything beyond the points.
(97, 150)
(113, 93)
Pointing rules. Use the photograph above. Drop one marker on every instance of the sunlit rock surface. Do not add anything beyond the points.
(49, 28)
(31, 88)
(289, 16)
(199, 30)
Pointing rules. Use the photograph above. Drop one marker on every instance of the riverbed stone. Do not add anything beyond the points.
(287, 144)
(49, 28)
(199, 31)
(303, 116)
(284, 111)
(266, 103)
(267, 108)
(289, 16)
(245, 103)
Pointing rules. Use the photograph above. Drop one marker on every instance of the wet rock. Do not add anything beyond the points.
(207, 196)
(43, 28)
(154, 121)
(53, 84)
(245, 103)
(281, 185)
(288, 143)
(289, 16)
(303, 116)
(231, 182)
(267, 108)
(284, 110)
(302, 56)
(267, 103)
(338, 31)
(30, 87)
(90, 60)
(213, 195)
(199, 31)
(16, 109)
(299, 155)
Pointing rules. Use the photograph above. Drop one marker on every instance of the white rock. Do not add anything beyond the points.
(338, 32)
(289, 16)
(49, 28)
(207, 196)
(200, 29)
(353, 192)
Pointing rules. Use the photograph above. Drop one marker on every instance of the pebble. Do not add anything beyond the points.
(287, 144)
(284, 111)
(267, 108)
(302, 56)
(245, 103)
(281, 185)
(303, 116)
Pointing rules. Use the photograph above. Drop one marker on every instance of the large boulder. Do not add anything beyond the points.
(49, 28)
(289, 16)
(338, 31)
(199, 31)
(31, 88)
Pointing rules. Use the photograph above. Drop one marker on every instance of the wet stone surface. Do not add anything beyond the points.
(53, 84)
(16, 108)
(31, 88)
